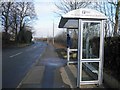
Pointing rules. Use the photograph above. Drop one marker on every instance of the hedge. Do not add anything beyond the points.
(112, 55)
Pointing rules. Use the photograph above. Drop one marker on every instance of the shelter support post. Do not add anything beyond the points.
(102, 54)
(79, 53)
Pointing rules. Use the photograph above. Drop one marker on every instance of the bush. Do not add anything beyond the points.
(112, 54)
(5, 38)
(28, 36)
(24, 36)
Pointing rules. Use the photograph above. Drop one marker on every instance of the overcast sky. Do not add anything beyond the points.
(43, 26)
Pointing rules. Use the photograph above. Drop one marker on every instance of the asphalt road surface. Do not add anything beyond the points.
(17, 61)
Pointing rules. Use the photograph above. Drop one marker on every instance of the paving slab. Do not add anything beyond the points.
(35, 75)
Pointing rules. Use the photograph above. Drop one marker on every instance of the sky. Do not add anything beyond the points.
(43, 26)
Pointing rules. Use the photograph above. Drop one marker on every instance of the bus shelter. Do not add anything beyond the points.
(90, 25)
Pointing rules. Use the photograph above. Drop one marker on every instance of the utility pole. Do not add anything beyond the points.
(53, 32)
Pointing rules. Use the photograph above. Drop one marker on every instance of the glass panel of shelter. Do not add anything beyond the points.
(90, 71)
(90, 51)
(90, 40)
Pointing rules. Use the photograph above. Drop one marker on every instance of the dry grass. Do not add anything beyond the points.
(57, 45)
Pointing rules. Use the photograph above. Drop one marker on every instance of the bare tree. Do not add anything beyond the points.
(65, 6)
(26, 12)
(15, 19)
(6, 18)
(116, 18)
(111, 9)
(16, 15)
(23, 12)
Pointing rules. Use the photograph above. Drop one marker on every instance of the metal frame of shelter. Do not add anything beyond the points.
(90, 24)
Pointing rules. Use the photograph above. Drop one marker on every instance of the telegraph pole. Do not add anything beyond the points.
(53, 32)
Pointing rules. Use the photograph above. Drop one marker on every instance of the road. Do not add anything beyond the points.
(17, 61)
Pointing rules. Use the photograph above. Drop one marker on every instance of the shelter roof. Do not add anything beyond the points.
(70, 19)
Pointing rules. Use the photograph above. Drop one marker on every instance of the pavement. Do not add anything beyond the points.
(51, 72)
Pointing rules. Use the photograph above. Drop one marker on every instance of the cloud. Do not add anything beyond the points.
(45, 7)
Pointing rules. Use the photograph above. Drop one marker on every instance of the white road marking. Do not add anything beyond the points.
(16, 54)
